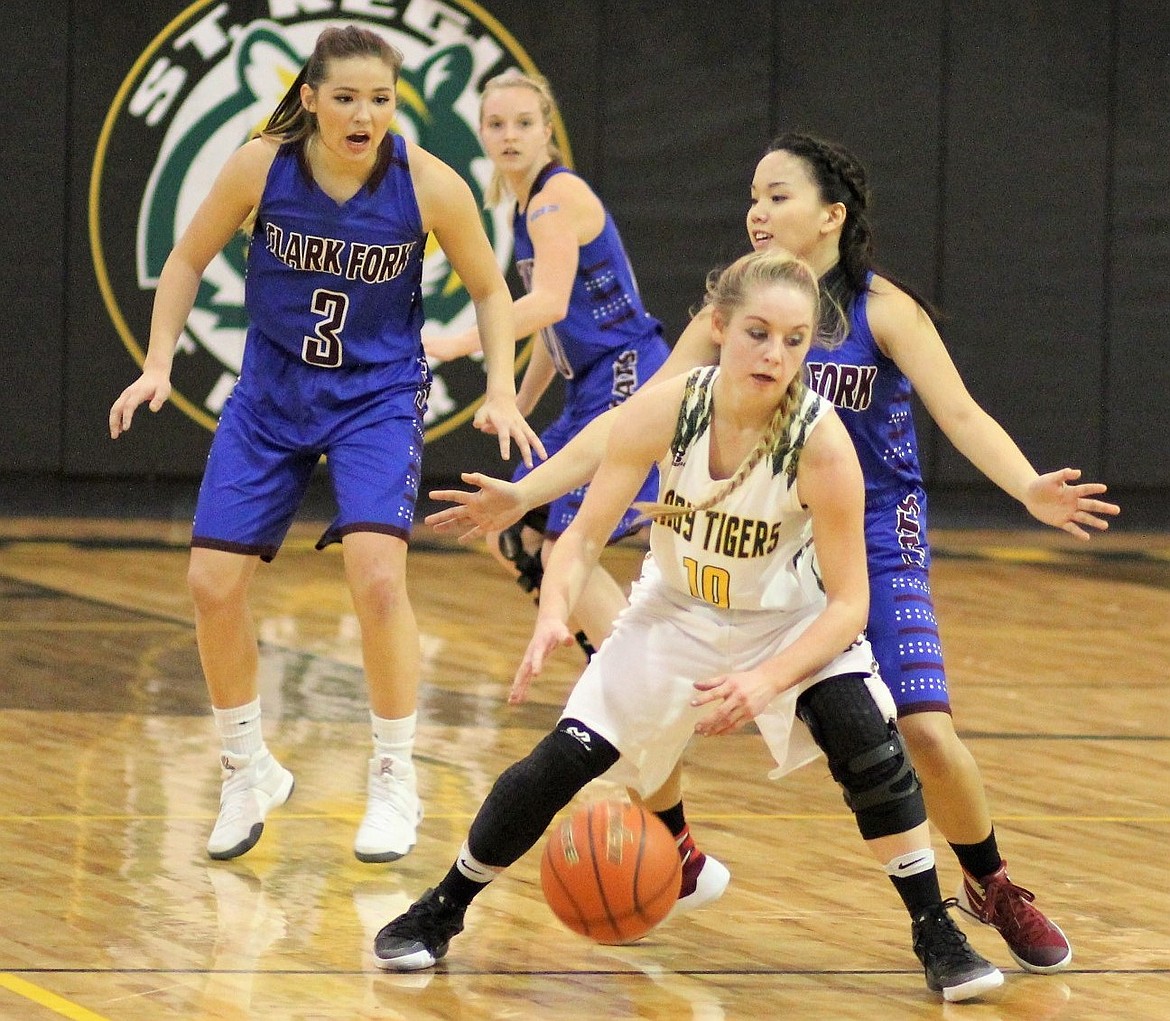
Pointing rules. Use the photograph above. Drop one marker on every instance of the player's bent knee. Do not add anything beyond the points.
(529, 793)
(882, 789)
(866, 754)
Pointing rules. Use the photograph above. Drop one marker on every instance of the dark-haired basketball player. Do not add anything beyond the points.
(811, 197)
(334, 366)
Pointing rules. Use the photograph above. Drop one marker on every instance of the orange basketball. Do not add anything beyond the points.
(611, 871)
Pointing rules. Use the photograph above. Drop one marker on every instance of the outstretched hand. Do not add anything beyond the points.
(1053, 499)
(152, 387)
(491, 507)
(548, 635)
(499, 416)
(743, 695)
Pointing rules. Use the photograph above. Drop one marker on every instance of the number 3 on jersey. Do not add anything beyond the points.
(324, 349)
(708, 583)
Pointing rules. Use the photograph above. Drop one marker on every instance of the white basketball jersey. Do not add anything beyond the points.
(753, 550)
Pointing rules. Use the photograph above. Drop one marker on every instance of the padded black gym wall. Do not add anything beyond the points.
(1017, 151)
(34, 144)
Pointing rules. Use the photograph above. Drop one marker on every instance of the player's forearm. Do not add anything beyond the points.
(570, 467)
(537, 378)
(178, 286)
(461, 345)
(573, 558)
(835, 629)
(987, 445)
(493, 317)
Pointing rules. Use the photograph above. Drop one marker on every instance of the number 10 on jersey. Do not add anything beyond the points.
(708, 583)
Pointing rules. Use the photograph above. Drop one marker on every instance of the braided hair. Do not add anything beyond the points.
(840, 177)
(727, 290)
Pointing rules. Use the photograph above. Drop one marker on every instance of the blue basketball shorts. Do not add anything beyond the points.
(903, 629)
(261, 463)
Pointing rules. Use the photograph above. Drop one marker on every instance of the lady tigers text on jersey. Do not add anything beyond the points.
(726, 534)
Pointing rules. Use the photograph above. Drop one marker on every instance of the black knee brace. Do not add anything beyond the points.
(529, 565)
(529, 793)
(866, 755)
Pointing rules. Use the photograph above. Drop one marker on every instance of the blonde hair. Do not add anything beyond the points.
(727, 291)
(497, 189)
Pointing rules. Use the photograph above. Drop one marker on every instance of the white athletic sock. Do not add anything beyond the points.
(911, 863)
(394, 737)
(474, 870)
(239, 728)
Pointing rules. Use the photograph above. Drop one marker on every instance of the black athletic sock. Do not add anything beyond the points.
(918, 892)
(456, 888)
(675, 819)
(979, 860)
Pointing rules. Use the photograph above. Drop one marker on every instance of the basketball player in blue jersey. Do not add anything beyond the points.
(749, 607)
(339, 210)
(581, 296)
(811, 197)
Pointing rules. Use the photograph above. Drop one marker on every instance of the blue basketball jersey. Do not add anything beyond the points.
(605, 310)
(333, 363)
(334, 287)
(872, 396)
(606, 347)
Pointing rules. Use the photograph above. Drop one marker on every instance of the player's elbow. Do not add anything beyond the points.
(550, 308)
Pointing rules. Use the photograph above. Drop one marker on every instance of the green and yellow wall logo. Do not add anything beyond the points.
(204, 85)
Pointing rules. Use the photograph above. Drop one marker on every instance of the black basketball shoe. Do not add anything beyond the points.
(952, 967)
(419, 937)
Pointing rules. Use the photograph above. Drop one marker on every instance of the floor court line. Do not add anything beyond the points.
(50, 1001)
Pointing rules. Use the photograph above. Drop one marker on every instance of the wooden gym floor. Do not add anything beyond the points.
(109, 783)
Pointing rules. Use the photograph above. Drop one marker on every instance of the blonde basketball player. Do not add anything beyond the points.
(750, 607)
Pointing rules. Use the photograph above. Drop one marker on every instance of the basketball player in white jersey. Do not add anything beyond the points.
(750, 607)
